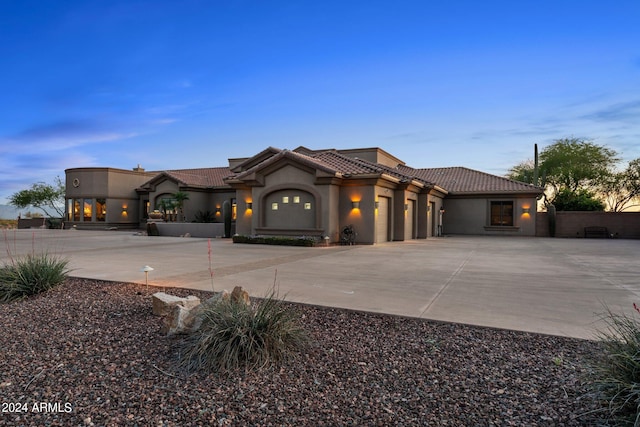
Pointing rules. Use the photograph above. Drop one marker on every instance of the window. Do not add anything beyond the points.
(101, 209)
(69, 210)
(234, 209)
(502, 213)
(76, 209)
(86, 211)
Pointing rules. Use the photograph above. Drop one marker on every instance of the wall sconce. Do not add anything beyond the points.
(377, 204)
(525, 211)
(441, 210)
(406, 206)
(124, 210)
(355, 205)
(249, 205)
(217, 211)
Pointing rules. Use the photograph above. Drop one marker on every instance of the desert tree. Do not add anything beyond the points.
(622, 189)
(573, 167)
(49, 198)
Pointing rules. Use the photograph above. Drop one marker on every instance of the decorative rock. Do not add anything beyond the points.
(240, 295)
(184, 315)
(180, 320)
(221, 296)
(163, 303)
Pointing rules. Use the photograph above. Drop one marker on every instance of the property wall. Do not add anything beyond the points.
(624, 225)
(194, 229)
(472, 216)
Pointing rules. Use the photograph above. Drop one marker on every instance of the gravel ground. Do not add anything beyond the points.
(91, 353)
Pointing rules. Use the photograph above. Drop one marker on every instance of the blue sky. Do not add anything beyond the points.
(182, 84)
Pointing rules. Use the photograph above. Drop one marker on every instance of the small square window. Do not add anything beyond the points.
(285, 199)
(274, 206)
(296, 199)
(307, 206)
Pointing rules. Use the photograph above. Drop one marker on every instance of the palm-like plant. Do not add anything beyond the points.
(179, 199)
(166, 205)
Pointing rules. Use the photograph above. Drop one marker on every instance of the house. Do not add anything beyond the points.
(304, 192)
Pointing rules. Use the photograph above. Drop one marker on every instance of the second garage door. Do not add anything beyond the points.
(382, 220)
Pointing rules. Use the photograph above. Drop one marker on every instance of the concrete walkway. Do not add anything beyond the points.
(553, 286)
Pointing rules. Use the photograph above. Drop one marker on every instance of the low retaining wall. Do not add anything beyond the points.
(623, 225)
(39, 223)
(177, 229)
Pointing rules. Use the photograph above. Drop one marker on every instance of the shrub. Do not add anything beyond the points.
(236, 335)
(30, 275)
(276, 240)
(616, 373)
(205, 217)
(579, 200)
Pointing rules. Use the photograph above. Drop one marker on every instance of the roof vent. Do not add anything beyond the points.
(138, 168)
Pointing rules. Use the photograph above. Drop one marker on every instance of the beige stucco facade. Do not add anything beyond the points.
(307, 193)
(471, 215)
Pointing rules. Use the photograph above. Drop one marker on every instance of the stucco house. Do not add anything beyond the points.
(304, 192)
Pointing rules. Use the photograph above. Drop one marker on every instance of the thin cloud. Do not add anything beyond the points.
(622, 111)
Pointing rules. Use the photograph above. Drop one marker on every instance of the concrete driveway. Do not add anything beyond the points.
(553, 286)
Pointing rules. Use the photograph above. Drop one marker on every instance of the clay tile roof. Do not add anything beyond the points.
(203, 177)
(353, 166)
(346, 165)
(301, 158)
(461, 180)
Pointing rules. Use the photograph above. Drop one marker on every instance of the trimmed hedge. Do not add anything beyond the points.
(276, 240)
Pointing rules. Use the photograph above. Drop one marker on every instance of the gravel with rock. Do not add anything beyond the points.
(91, 353)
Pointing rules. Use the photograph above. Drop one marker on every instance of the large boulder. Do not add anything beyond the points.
(163, 303)
(181, 320)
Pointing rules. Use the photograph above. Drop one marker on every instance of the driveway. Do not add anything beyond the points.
(552, 286)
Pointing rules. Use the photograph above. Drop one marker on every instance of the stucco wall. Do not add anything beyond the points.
(301, 182)
(194, 229)
(624, 225)
(117, 186)
(363, 217)
(246, 219)
(472, 216)
(198, 201)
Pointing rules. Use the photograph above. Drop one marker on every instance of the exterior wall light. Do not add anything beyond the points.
(377, 204)
(217, 211)
(406, 206)
(525, 211)
(249, 205)
(355, 205)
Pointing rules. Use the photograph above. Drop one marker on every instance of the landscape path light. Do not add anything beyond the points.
(146, 270)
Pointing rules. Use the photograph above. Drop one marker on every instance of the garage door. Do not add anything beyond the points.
(409, 221)
(382, 220)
